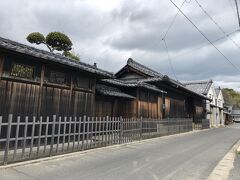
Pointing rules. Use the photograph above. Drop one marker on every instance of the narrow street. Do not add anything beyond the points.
(186, 156)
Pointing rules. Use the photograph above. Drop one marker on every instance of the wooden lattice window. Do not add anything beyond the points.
(143, 96)
(152, 98)
(82, 82)
(57, 77)
(22, 71)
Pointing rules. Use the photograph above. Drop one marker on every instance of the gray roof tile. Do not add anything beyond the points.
(132, 83)
(235, 112)
(141, 68)
(200, 87)
(111, 91)
(31, 51)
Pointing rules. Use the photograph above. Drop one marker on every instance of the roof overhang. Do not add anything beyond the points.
(15, 48)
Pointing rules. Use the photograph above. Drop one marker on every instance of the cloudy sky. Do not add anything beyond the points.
(108, 32)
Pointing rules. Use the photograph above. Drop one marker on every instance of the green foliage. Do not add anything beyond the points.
(36, 38)
(231, 97)
(71, 55)
(59, 41)
(54, 41)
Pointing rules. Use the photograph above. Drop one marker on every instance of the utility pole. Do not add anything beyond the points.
(236, 3)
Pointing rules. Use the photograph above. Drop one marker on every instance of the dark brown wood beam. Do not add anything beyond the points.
(1, 64)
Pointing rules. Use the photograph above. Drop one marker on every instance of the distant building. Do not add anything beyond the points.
(214, 109)
(236, 115)
(227, 110)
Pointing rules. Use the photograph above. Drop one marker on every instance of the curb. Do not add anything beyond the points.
(73, 154)
(238, 150)
(223, 168)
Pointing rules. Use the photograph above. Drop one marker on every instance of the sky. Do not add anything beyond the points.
(108, 32)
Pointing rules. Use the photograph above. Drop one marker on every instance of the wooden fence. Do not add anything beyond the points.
(30, 137)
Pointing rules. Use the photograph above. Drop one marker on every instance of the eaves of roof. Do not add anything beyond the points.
(12, 46)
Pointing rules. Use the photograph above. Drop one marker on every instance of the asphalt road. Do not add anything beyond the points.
(187, 156)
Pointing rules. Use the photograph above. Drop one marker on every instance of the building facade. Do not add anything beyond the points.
(214, 108)
(34, 82)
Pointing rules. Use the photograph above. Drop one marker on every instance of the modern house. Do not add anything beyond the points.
(214, 108)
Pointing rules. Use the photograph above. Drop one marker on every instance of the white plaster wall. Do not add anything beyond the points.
(213, 117)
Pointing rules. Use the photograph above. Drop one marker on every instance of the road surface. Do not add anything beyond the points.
(186, 156)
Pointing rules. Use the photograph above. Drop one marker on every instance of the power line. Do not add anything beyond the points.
(197, 48)
(236, 3)
(169, 59)
(204, 35)
(165, 35)
(219, 27)
(174, 19)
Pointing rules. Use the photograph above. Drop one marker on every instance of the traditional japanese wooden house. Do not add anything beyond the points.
(156, 95)
(136, 99)
(37, 82)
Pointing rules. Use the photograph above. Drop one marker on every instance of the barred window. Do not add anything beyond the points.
(22, 71)
(82, 82)
(57, 77)
(152, 98)
(143, 96)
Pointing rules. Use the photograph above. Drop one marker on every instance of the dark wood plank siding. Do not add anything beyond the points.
(18, 98)
(149, 104)
(115, 106)
(38, 97)
(104, 106)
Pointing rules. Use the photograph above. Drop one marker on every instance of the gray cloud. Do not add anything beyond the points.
(110, 33)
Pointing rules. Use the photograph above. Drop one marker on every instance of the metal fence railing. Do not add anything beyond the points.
(30, 137)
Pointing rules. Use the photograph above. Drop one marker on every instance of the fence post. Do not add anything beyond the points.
(179, 124)
(39, 136)
(74, 132)
(8, 139)
(53, 134)
(25, 136)
(141, 126)
(16, 138)
(121, 130)
(32, 135)
(83, 133)
(168, 125)
(106, 138)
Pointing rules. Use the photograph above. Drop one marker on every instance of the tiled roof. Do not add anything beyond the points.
(200, 87)
(235, 112)
(111, 91)
(141, 68)
(132, 83)
(34, 52)
(171, 81)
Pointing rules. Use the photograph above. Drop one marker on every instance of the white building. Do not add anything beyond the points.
(220, 107)
(214, 109)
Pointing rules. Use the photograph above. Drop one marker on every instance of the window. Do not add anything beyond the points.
(57, 77)
(22, 71)
(143, 96)
(82, 82)
(152, 98)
